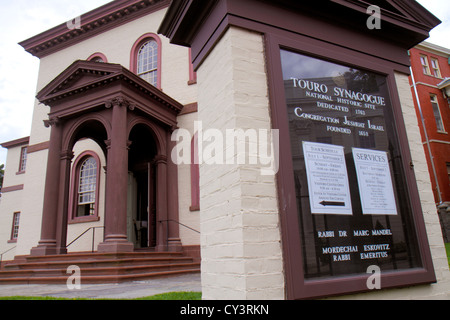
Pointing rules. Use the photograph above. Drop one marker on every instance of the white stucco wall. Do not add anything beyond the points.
(10, 202)
(240, 240)
(186, 216)
(11, 177)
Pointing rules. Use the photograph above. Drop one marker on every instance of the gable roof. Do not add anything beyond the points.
(99, 20)
(88, 84)
(80, 76)
(15, 143)
(403, 21)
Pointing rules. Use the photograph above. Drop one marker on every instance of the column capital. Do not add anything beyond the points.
(160, 159)
(120, 101)
(67, 155)
(108, 144)
(52, 121)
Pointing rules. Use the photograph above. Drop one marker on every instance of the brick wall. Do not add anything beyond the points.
(240, 241)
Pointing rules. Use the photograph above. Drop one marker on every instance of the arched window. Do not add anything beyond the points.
(85, 188)
(87, 185)
(97, 57)
(147, 62)
(146, 58)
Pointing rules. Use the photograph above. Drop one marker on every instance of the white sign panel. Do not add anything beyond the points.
(374, 182)
(326, 171)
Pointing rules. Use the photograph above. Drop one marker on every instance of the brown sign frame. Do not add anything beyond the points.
(297, 286)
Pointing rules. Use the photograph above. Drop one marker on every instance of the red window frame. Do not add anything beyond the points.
(73, 202)
(135, 51)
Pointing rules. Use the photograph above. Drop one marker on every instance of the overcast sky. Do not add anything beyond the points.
(22, 19)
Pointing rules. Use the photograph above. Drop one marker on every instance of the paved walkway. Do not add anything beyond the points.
(127, 290)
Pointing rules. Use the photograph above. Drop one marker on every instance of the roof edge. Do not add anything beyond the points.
(108, 72)
(183, 19)
(92, 23)
(431, 46)
(15, 143)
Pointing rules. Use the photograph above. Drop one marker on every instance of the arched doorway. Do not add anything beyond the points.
(141, 202)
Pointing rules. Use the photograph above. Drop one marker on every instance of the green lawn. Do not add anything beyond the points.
(175, 296)
(165, 296)
(447, 248)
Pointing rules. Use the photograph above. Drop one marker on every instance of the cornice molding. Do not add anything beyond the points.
(70, 83)
(184, 18)
(87, 85)
(433, 48)
(15, 143)
(92, 23)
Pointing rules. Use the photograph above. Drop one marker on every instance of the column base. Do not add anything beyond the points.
(175, 245)
(44, 248)
(115, 245)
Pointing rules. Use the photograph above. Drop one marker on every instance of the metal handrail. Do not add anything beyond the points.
(93, 233)
(86, 231)
(1, 255)
(167, 229)
(170, 220)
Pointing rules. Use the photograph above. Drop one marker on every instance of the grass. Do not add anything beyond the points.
(447, 248)
(164, 296)
(175, 296)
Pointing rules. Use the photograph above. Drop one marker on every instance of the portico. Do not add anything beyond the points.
(106, 102)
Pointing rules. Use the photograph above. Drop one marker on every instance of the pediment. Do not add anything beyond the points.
(387, 5)
(77, 76)
(85, 85)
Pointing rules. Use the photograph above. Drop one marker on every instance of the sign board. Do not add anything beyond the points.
(374, 181)
(329, 191)
(352, 204)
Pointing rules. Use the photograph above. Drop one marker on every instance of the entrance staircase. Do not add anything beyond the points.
(97, 267)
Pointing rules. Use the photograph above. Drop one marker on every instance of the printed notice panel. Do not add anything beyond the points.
(353, 207)
(374, 181)
(329, 191)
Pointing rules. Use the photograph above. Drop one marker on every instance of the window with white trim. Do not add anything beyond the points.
(425, 67)
(87, 184)
(147, 62)
(437, 113)
(15, 227)
(448, 171)
(23, 159)
(435, 67)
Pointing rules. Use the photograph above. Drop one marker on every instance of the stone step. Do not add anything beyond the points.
(96, 263)
(96, 278)
(96, 267)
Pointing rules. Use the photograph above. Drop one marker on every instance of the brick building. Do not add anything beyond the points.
(430, 78)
